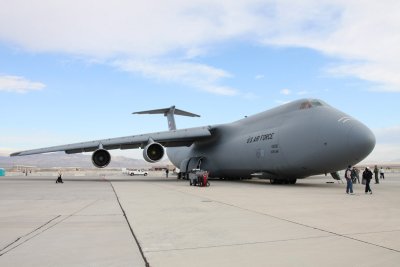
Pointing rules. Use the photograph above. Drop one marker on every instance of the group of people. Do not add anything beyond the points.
(352, 176)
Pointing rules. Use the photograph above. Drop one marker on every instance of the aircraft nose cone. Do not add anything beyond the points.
(361, 141)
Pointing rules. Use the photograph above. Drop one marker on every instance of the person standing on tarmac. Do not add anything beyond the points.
(166, 173)
(357, 173)
(347, 175)
(353, 175)
(367, 175)
(382, 173)
(376, 171)
(59, 178)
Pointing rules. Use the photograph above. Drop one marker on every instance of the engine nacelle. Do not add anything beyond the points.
(101, 158)
(153, 152)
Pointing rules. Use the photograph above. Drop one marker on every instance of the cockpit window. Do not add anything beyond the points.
(316, 103)
(305, 105)
(310, 103)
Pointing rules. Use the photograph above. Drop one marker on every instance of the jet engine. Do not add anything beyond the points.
(153, 152)
(101, 158)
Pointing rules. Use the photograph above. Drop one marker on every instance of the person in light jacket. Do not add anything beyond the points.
(382, 173)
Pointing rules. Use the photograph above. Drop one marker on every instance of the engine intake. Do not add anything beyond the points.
(153, 152)
(101, 158)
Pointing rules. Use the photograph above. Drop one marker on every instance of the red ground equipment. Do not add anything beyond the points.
(198, 178)
(205, 179)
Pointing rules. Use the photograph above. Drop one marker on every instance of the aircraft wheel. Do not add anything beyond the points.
(292, 181)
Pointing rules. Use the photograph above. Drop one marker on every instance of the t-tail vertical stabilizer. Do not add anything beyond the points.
(169, 113)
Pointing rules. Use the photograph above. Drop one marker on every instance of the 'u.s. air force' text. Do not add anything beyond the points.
(258, 138)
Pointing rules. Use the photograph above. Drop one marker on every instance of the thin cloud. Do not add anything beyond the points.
(387, 147)
(18, 84)
(303, 93)
(285, 92)
(130, 28)
(199, 76)
(388, 135)
(385, 77)
(364, 36)
(219, 90)
(250, 96)
(384, 153)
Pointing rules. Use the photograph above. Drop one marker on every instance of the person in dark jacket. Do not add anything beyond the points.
(357, 174)
(59, 178)
(367, 176)
(353, 175)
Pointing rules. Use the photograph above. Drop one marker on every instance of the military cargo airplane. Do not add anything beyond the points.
(292, 141)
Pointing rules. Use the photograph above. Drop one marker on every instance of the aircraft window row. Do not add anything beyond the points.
(310, 104)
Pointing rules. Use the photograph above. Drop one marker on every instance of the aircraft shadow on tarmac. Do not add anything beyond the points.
(256, 182)
(302, 184)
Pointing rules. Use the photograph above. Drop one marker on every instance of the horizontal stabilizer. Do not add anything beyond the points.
(169, 113)
(166, 110)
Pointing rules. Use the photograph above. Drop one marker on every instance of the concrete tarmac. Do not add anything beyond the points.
(154, 221)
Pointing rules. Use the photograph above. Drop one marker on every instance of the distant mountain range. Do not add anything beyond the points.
(73, 160)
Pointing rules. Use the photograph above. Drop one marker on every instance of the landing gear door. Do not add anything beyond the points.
(191, 163)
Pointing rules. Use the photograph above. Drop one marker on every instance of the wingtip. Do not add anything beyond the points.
(15, 154)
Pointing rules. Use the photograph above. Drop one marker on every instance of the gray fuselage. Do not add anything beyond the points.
(295, 140)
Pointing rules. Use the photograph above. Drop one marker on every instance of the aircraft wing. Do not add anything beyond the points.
(181, 137)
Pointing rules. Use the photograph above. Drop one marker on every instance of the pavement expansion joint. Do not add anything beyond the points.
(310, 226)
(40, 230)
(97, 215)
(236, 244)
(374, 232)
(25, 238)
(286, 220)
(147, 264)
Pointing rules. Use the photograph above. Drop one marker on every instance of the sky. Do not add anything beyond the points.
(73, 71)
